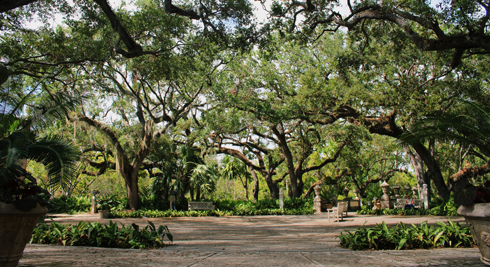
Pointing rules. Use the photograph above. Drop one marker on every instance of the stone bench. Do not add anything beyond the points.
(401, 202)
(197, 205)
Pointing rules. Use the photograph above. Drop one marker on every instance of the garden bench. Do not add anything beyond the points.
(338, 211)
(417, 203)
(197, 205)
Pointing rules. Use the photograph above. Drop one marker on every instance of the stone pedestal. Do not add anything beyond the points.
(93, 206)
(317, 202)
(385, 198)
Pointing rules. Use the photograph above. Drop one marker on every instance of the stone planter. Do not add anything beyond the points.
(15, 231)
(478, 219)
(104, 214)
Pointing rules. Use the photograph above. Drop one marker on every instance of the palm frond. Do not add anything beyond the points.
(57, 156)
(470, 126)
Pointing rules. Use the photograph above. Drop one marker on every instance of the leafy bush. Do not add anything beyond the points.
(263, 204)
(100, 235)
(69, 205)
(108, 204)
(240, 211)
(443, 209)
(400, 237)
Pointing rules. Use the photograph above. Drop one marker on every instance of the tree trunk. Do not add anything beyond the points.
(245, 185)
(418, 166)
(198, 193)
(300, 184)
(132, 190)
(255, 192)
(434, 170)
(273, 188)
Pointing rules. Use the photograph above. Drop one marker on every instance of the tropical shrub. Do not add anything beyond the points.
(402, 237)
(69, 205)
(100, 235)
(200, 213)
(442, 209)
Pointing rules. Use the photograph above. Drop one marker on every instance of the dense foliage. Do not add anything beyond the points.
(162, 91)
(70, 205)
(439, 209)
(403, 237)
(101, 235)
(230, 208)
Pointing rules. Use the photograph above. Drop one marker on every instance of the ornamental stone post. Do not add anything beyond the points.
(425, 194)
(93, 206)
(281, 198)
(356, 194)
(317, 202)
(385, 198)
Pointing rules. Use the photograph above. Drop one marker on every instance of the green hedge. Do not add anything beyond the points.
(295, 206)
(402, 237)
(200, 213)
(100, 235)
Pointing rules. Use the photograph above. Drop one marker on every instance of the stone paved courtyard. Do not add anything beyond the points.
(251, 241)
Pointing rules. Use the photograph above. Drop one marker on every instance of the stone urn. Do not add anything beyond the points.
(478, 219)
(385, 187)
(396, 190)
(15, 231)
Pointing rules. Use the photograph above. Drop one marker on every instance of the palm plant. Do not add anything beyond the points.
(470, 126)
(19, 143)
(203, 179)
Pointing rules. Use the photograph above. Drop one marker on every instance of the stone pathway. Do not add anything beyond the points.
(308, 240)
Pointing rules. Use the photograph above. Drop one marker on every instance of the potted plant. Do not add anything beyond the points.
(22, 201)
(475, 207)
(104, 207)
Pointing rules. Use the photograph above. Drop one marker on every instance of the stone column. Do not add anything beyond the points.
(281, 198)
(93, 206)
(425, 193)
(317, 202)
(385, 199)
